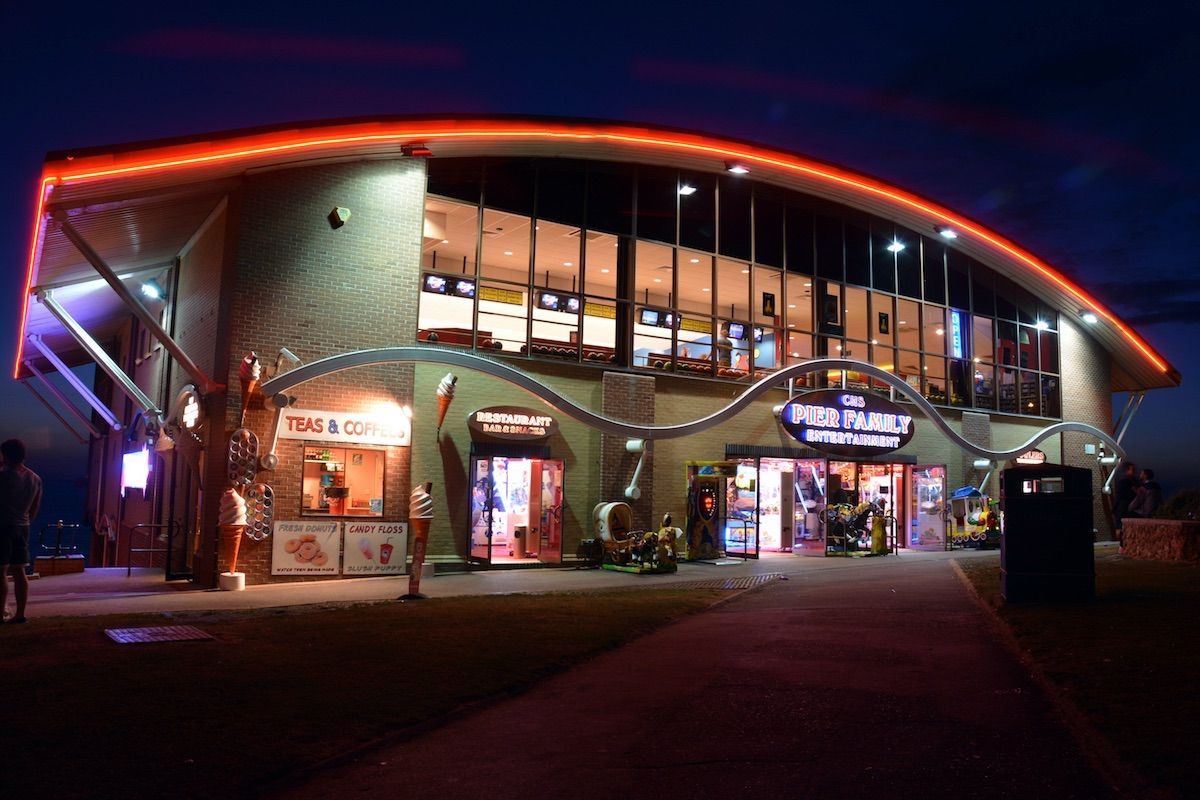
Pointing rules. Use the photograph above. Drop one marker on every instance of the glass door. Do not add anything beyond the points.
(548, 511)
(927, 510)
(479, 548)
(741, 511)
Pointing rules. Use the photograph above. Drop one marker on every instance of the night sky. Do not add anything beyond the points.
(1070, 128)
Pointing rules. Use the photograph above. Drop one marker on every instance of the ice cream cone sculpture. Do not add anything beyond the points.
(232, 522)
(445, 396)
(420, 515)
(250, 373)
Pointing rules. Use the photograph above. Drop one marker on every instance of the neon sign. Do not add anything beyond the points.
(956, 334)
(847, 423)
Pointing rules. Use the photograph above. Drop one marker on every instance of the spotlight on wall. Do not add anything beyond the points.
(686, 189)
(1089, 317)
(946, 233)
(284, 355)
(415, 151)
(337, 218)
(1042, 325)
(982, 463)
(737, 168)
(152, 289)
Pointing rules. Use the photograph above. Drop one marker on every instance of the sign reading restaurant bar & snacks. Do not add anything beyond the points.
(345, 427)
(512, 423)
(847, 423)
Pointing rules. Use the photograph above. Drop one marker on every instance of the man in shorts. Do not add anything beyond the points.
(20, 498)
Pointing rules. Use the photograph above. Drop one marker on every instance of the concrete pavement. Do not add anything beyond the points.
(877, 678)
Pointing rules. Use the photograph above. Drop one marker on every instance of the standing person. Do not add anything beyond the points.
(1123, 494)
(20, 498)
(1149, 496)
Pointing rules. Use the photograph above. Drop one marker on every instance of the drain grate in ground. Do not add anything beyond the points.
(161, 633)
(731, 584)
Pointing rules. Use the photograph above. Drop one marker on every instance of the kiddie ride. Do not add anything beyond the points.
(974, 520)
(864, 529)
(637, 551)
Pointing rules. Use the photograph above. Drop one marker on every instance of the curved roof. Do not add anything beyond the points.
(139, 204)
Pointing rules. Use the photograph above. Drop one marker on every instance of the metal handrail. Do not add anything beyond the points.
(58, 548)
(130, 549)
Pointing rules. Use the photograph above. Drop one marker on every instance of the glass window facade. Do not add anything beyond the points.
(658, 269)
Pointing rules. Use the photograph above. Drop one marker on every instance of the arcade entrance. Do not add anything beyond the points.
(516, 510)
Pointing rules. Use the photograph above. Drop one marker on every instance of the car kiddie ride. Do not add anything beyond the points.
(974, 520)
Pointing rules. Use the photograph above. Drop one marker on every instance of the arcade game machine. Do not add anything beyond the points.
(706, 508)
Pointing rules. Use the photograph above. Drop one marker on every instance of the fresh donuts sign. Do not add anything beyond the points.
(305, 548)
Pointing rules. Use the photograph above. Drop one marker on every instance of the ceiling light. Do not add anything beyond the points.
(1090, 318)
(604, 270)
(946, 233)
(705, 289)
(508, 252)
(445, 241)
(808, 284)
(686, 189)
(874, 341)
(1042, 325)
(736, 168)
(896, 246)
(695, 261)
(791, 325)
(940, 331)
(839, 348)
(977, 359)
(568, 264)
(152, 289)
(795, 355)
(791, 305)
(902, 322)
(745, 272)
(658, 280)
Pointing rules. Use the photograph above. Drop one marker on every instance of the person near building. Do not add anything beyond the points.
(1149, 496)
(20, 498)
(1124, 493)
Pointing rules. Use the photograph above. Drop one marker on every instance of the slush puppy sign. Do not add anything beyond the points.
(847, 423)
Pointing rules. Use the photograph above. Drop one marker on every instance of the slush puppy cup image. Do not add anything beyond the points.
(420, 515)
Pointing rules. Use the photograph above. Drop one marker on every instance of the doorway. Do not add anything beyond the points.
(516, 510)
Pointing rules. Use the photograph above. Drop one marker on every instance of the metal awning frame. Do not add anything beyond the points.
(62, 398)
(95, 402)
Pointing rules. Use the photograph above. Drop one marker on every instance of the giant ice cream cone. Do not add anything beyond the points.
(420, 515)
(232, 523)
(445, 396)
(250, 372)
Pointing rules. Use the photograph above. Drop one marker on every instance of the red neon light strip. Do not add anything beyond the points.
(267, 144)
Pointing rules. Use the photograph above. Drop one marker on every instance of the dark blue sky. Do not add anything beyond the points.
(1071, 128)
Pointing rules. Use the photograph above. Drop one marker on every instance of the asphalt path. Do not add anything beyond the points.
(879, 679)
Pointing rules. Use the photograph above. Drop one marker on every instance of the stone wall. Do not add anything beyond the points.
(1161, 539)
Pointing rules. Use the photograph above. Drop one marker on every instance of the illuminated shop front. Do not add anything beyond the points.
(629, 268)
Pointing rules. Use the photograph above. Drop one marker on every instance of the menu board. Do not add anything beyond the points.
(305, 548)
(374, 548)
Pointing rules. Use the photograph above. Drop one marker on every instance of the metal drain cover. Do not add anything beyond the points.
(162, 633)
(731, 584)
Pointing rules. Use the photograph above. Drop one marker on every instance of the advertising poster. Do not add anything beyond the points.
(374, 548)
(305, 548)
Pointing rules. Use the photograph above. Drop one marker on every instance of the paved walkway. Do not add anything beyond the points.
(109, 591)
(866, 679)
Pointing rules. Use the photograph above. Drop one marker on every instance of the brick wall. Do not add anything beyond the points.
(299, 284)
(629, 398)
(1086, 397)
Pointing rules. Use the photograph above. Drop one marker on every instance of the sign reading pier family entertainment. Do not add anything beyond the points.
(345, 426)
(512, 423)
(847, 423)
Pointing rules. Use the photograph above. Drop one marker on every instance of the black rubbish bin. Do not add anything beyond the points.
(1046, 550)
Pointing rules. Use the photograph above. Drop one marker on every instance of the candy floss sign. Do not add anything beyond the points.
(345, 426)
(847, 423)
(374, 548)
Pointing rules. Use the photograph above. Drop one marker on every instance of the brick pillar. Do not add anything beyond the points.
(977, 429)
(629, 398)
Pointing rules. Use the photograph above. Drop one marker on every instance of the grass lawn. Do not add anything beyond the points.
(1130, 661)
(278, 691)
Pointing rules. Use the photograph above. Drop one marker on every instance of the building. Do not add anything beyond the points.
(648, 274)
